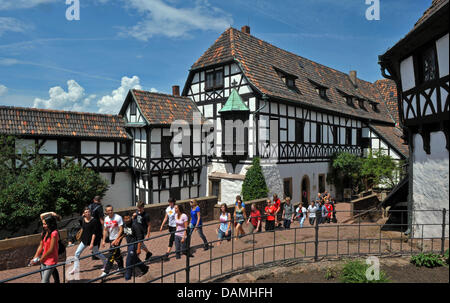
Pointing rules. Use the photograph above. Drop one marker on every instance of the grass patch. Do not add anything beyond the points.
(429, 260)
(355, 272)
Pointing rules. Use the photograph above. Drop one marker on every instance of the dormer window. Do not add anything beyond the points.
(288, 79)
(375, 107)
(349, 101)
(427, 65)
(320, 89)
(361, 104)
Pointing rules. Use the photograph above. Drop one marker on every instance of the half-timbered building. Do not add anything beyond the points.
(98, 142)
(298, 113)
(162, 169)
(419, 65)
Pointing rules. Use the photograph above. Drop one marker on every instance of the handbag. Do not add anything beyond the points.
(78, 235)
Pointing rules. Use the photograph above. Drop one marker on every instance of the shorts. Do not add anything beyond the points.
(222, 235)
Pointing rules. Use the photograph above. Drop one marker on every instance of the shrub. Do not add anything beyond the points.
(429, 260)
(254, 185)
(355, 272)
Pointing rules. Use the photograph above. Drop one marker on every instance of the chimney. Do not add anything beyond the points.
(176, 90)
(352, 75)
(246, 29)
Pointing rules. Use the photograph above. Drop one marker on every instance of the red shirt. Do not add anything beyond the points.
(52, 259)
(329, 207)
(277, 204)
(255, 217)
(270, 210)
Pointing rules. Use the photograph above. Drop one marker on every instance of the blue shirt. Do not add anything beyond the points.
(243, 205)
(194, 216)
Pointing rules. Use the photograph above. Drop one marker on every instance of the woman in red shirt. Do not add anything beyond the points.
(277, 205)
(270, 212)
(254, 219)
(48, 248)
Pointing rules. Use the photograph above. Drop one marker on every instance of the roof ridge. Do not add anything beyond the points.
(49, 110)
(161, 94)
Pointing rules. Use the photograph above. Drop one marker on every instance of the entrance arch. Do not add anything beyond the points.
(305, 187)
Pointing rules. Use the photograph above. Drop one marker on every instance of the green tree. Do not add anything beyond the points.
(254, 185)
(379, 169)
(41, 186)
(346, 167)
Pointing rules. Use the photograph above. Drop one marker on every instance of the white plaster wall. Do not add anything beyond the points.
(430, 185)
(49, 147)
(119, 194)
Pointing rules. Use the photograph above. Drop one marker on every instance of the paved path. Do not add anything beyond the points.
(260, 248)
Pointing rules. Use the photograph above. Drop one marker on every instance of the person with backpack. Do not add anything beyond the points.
(96, 209)
(113, 231)
(301, 214)
(288, 213)
(133, 232)
(47, 253)
(143, 219)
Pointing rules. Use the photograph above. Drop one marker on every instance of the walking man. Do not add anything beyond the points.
(143, 219)
(170, 216)
(113, 230)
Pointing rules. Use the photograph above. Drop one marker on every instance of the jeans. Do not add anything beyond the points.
(45, 275)
(222, 235)
(113, 256)
(80, 249)
(287, 223)
(179, 246)
(132, 259)
(200, 233)
(172, 235)
(301, 220)
(270, 225)
(312, 220)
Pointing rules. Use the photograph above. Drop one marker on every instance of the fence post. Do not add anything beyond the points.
(444, 211)
(188, 255)
(316, 239)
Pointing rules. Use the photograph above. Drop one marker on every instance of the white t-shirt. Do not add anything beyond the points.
(171, 215)
(180, 225)
(303, 211)
(113, 226)
(312, 211)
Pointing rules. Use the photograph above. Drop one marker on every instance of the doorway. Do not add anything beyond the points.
(305, 192)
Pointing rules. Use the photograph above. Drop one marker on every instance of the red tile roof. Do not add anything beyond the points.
(164, 109)
(260, 61)
(44, 122)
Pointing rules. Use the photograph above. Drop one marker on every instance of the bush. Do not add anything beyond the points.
(429, 260)
(43, 187)
(254, 185)
(355, 272)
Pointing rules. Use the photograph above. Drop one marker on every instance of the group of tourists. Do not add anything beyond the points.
(99, 228)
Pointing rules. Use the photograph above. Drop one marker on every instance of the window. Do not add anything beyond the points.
(348, 136)
(214, 188)
(359, 140)
(133, 108)
(323, 93)
(287, 187)
(165, 182)
(319, 133)
(69, 147)
(374, 107)
(361, 104)
(175, 193)
(124, 148)
(214, 80)
(348, 100)
(321, 183)
(165, 147)
(299, 132)
(427, 65)
(335, 135)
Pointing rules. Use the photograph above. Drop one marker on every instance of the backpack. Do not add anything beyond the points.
(93, 208)
(61, 246)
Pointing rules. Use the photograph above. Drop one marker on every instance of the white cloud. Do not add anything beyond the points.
(163, 19)
(3, 90)
(111, 104)
(19, 4)
(74, 99)
(8, 24)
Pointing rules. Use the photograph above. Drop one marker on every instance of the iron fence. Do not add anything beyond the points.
(361, 233)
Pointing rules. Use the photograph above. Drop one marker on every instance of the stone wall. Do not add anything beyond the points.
(17, 252)
(260, 204)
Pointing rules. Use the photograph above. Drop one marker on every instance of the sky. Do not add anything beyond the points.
(88, 65)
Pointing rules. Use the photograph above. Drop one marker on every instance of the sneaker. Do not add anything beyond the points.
(166, 257)
(103, 274)
(206, 247)
(95, 258)
(148, 256)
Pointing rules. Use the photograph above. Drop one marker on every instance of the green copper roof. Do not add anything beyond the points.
(234, 103)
